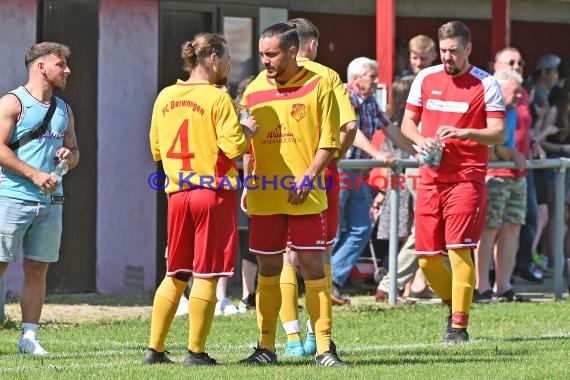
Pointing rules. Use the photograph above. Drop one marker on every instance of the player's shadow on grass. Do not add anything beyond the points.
(449, 354)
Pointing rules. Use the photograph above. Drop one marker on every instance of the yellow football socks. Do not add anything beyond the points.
(166, 301)
(268, 301)
(318, 300)
(437, 275)
(201, 305)
(463, 285)
(289, 312)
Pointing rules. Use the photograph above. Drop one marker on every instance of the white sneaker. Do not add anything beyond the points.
(230, 310)
(224, 307)
(182, 307)
(30, 344)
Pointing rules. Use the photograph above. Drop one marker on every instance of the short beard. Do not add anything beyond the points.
(452, 70)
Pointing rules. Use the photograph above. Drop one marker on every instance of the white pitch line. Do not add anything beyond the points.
(368, 347)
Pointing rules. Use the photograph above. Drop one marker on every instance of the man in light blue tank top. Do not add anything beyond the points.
(30, 196)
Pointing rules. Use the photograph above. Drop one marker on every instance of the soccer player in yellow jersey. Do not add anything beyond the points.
(298, 118)
(196, 133)
(289, 314)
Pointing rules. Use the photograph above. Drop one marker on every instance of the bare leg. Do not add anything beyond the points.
(419, 283)
(34, 290)
(505, 254)
(248, 276)
(221, 288)
(483, 258)
(541, 221)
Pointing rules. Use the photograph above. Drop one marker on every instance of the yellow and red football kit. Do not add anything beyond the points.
(295, 120)
(196, 133)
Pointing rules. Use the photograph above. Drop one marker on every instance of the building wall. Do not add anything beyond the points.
(18, 26)
(126, 215)
(337, 46)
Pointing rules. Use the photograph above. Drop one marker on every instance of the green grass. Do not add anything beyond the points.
(508, 341)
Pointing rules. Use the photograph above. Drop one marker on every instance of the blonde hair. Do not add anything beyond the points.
(421, 44)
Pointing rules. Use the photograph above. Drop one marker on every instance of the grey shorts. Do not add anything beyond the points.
(34, 226)
(506, 201)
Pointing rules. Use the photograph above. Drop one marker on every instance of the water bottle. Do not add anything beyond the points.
(244, 113)
(437, 152)
(431, 157)
(60, 169)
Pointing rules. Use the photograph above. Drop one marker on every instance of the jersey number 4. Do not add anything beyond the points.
(184, 153)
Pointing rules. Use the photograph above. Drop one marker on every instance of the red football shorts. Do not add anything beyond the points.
(333, 194)
(270, 234)
(202, 233)
(449, 216)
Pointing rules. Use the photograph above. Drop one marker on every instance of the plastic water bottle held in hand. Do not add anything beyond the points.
(437, 152)
(244, 113)
(60, 169)
(431, 157)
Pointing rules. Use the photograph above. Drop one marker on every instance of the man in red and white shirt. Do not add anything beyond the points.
(462, 106)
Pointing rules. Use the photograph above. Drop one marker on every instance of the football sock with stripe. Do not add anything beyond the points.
(289, 312)
(463, 285)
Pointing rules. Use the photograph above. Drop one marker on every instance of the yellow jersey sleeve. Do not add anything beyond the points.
(347, 113)
(330, 116)
(154, 144)
(231, 140)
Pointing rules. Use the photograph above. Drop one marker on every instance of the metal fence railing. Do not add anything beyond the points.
(559, 164)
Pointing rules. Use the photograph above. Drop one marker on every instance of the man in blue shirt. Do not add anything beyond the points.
(30, 197)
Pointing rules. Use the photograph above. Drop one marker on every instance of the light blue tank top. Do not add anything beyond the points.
(39, 153)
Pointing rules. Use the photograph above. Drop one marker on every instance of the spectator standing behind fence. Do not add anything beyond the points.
(31, 199)
(559, 142)
(400, 91)
(462, 106)
(510, 58)
(422, 55)
(299, 136)
(197, 140)
(545, 77)
(506, 200)
(355, 226)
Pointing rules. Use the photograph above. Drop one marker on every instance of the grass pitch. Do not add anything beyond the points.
(529, 340)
